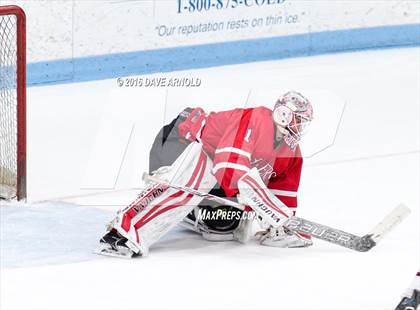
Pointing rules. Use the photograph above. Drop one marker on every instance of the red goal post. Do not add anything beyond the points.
(12, 102)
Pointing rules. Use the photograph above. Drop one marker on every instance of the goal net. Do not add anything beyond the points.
(12, 103)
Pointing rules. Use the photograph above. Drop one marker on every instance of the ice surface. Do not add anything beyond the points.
(371, 166)
(49, 233)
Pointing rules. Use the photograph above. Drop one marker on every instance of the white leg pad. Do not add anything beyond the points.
(254, 193)
(159, 208)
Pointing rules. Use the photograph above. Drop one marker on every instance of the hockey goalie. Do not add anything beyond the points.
(250, 155)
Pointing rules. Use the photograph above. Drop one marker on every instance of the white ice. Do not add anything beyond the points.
(78, 134)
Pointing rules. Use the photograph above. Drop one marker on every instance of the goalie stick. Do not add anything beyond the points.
(319, 231)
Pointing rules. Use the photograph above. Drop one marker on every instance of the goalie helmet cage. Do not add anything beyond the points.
(12, 102)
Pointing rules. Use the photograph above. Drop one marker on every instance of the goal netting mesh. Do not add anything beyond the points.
(8, 105)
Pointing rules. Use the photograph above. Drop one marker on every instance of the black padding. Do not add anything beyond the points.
(168, 145)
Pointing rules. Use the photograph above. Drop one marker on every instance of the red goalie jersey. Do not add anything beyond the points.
(241, 139)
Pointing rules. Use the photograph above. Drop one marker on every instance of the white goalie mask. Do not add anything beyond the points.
(292, 114)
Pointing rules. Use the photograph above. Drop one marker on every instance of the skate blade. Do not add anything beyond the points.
(110, 252)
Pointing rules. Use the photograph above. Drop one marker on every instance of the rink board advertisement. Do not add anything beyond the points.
(103, 39)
